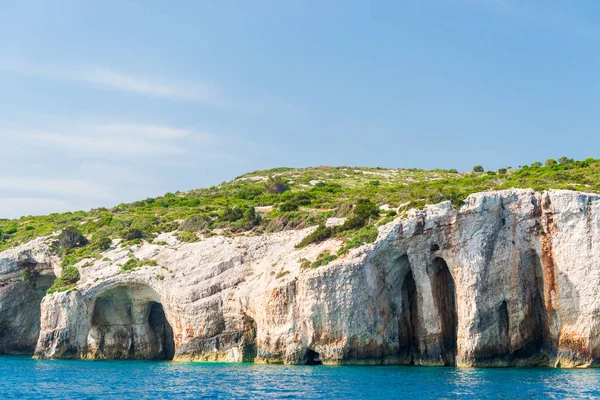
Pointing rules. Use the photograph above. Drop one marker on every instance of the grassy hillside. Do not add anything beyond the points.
(286, 198)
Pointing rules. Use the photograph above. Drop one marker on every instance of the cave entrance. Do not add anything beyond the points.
(249, 340)
(535, 325)
(311, 357)
(504, 328)
(129, 322)
(163, 331)
(444, 298)
(408, 321)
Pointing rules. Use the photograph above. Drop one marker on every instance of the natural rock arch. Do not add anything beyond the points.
(129, 322)
(444, 299)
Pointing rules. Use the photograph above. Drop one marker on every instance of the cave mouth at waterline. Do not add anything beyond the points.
(444, 298)
(163, 331)
(129, 322)
(408, 322)
(249, 339)
(311, 357)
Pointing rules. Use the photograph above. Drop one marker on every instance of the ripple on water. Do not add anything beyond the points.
(21, 377)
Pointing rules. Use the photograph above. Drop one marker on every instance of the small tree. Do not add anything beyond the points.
(549, 162)
(70, 238)
(276, 185)
(502, 171)
(478, 169)
(536, 164)
(565, 160)
(132, 234)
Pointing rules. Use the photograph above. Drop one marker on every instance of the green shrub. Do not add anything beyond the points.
(289, 206)
(30, 276)
(362, 214)
(195, 223)
(232, 214)
(320, 234)
(358, 238)
(69, 238)
(281, 274)
(564, 160)
(132, 234)
(305, 264)
(478, 169)
(100, 243)
(129, 265)
(187, 237)
(276, 185)
(67, 280)
(323, 259)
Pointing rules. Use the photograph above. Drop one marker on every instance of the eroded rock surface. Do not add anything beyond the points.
(25, 274)
(510, 279)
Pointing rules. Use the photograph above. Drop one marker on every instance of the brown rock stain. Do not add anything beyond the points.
(574, 344)
(548, 253)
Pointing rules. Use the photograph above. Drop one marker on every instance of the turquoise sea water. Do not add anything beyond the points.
(21, 377)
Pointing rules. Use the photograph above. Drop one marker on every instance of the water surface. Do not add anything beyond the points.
(21, 377)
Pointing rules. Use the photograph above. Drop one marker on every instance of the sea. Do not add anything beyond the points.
(25, 378)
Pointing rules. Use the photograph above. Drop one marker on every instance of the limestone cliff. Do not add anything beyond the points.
(510, 279)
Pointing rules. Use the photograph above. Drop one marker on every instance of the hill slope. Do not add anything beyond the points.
(286, 198)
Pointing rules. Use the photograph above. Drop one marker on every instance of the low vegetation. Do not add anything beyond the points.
(287, 198)
(66, 281)
(323, 258)
(133, 264)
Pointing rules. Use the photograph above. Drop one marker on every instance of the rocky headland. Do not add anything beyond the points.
(509, 279)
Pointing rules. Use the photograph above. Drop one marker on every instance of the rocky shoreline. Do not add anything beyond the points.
(510, 279)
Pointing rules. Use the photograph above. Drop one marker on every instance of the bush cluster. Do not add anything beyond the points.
(300, 198)
(67, 280)
(362, 214)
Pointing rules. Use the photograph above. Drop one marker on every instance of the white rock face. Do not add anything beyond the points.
(25, 274)
(511, 279)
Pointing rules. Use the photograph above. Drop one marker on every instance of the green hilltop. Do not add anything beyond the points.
(292, 198)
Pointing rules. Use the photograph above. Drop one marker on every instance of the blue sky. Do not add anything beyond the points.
(103, 102)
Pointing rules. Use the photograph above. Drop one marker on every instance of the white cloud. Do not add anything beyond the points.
(105, 145)
(15, 207)
(70, 187)
(163, 132)
(107, 78)
(115, 139)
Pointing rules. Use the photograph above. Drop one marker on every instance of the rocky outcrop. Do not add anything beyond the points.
(25, 274)
(510, 279)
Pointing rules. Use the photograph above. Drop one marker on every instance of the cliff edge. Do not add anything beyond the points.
(510, 279)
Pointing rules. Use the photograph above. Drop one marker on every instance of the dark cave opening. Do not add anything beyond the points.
(444, 297)
(163, 331)
(408, 333)
(311, 357)
(504, 327)
(129, 323)
(535, 324)
(249, 349)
